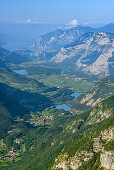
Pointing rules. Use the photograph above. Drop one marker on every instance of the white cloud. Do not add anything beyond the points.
(29, 21)
(88, 23)
(73, 23)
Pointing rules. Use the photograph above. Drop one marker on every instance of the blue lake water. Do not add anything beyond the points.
(22, 71)
(65, 106)
(76, 94)
(62, 106)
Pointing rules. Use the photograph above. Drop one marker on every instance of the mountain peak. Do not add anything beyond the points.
(72, 23)
(92, 54)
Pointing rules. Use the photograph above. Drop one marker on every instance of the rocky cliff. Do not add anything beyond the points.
(81, 153)
(53, 41)
(92, 148)
(100, 91)
(92, 54)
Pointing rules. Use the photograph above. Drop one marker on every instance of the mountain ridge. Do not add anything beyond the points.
(93, 149)
(92, 54)
(53, 41)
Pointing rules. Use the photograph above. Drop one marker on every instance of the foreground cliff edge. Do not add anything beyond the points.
(96, 149)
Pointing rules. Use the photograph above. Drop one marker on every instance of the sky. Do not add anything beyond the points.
(23, 21)
(82, 12)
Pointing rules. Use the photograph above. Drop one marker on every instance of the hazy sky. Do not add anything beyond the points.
(91, 12)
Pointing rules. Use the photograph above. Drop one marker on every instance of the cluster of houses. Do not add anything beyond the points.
(12, 154)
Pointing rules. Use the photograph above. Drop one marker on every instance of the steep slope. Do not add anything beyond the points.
(12, 57)
(51, 141)
(52, 42)
(92, 54)
(11, 78)
(100, 91)
(26, 54)
(20, 102)
(5, 120)
(107, 28)
(15, 103)
(23, 51)
(95, 150)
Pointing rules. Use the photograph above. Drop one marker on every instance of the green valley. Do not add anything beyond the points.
(57, 99)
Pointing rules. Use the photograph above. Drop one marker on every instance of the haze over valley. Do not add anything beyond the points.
(57, 85)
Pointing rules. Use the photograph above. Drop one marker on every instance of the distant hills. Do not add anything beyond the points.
(107, 28)
(12, 57)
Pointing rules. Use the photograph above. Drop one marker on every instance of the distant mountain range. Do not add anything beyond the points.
(53, 41)
(7, 56)
(92, 54)
(107, 28)
(82, 49)
(82, 140)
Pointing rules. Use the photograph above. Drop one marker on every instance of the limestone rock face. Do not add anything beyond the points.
(100, 91)
(74, 162)
(79, 158)
(107, 160)
(55, 40)
(92, 54)
(63, 161)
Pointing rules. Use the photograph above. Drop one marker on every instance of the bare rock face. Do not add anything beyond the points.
(55, 40)
(92, 54)
(100, 91)
(107, 160)
(97, 146)
(106, 157)
(98, 116)
(87, 98)
(74, 162)
(79, 158)
(63, 161)
(106, 136)
(61, 165)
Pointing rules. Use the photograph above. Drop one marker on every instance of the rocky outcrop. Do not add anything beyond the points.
(100, 91)
(92, 54)
(106, 136)
(54, 41)
(74, 162)
(66, 162)
(107, 160)
(98, 116)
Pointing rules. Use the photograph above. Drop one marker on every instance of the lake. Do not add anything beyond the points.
(21, 71)
(76, 94)
(65, 106)
(61, 106)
